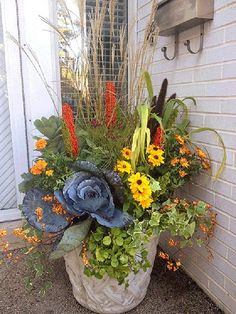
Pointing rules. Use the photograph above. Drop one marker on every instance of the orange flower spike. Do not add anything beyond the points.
(40, 144)
(158, 138)
(110, 104)
(68, 118)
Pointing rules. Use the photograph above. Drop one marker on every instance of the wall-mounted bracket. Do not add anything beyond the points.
(187, 42)
(164, 49)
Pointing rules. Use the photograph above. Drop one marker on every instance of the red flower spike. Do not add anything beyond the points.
(158, 137)
(110, 104)
(68, 118)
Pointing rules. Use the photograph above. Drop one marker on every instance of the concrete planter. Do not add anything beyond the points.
(106, 296)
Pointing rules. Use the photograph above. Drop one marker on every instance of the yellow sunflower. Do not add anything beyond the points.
(126, 153)
(152, 149)
(138, 182)
(146, 203)
(123, 167)
(156, 159)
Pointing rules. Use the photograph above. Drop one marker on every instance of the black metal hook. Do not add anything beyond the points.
(164, 49)
(187, 42)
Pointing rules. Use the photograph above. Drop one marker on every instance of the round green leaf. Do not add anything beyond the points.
(107, 240)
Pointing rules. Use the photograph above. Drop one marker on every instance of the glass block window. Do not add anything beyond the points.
(75, 24)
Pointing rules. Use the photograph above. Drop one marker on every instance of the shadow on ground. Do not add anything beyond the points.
(168, 293)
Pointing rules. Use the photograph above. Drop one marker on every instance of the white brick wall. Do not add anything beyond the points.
(211, 78)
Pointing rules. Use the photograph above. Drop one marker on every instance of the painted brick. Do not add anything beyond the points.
(218, 247)
(226, 205)
(234, 193)
(228, 105)
(226, 122)
(226, 237)
(210, 77)
(232, 227)
(222, 3)
(222, 187)
(224, 266)
(230, 33)
(227, 88)
(208, 74)
(223, 295)
(229, 70)
(207, 105)
(202, 193)
(224, 17)
(232, 257)
(222, 219)
(230, 287)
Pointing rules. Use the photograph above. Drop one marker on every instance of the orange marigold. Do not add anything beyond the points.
(39, 213)
(174, 162)
(58, 209)
(3, 233)
(184, 150)
(40, 144)
(206, 164)
(201, 153)
(164, 256)
(39, 167)
(184, 162)
(172, 242)
(182, 173)
(179, 139)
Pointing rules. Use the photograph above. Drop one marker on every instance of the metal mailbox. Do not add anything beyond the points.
(174, 16)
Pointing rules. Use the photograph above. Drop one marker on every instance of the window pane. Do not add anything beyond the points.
(92, 47)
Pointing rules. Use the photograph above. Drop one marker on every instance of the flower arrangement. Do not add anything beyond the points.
(110, 213)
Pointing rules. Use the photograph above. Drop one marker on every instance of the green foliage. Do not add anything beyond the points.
(62, 169)
(37, 268)
(149, 86)
(182, 219)
(101, 145)
(72, 239)
(141, 137)
(27, 183)
(117, 252)
(51, 129)
(223, 161)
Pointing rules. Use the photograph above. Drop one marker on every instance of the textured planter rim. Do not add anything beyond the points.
(105, 295)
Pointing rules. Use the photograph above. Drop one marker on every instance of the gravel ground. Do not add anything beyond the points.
(168, 293)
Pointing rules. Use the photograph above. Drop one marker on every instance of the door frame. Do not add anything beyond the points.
(27, 96)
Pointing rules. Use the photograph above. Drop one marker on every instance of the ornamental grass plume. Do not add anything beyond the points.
(69, 135)
(110, 104)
